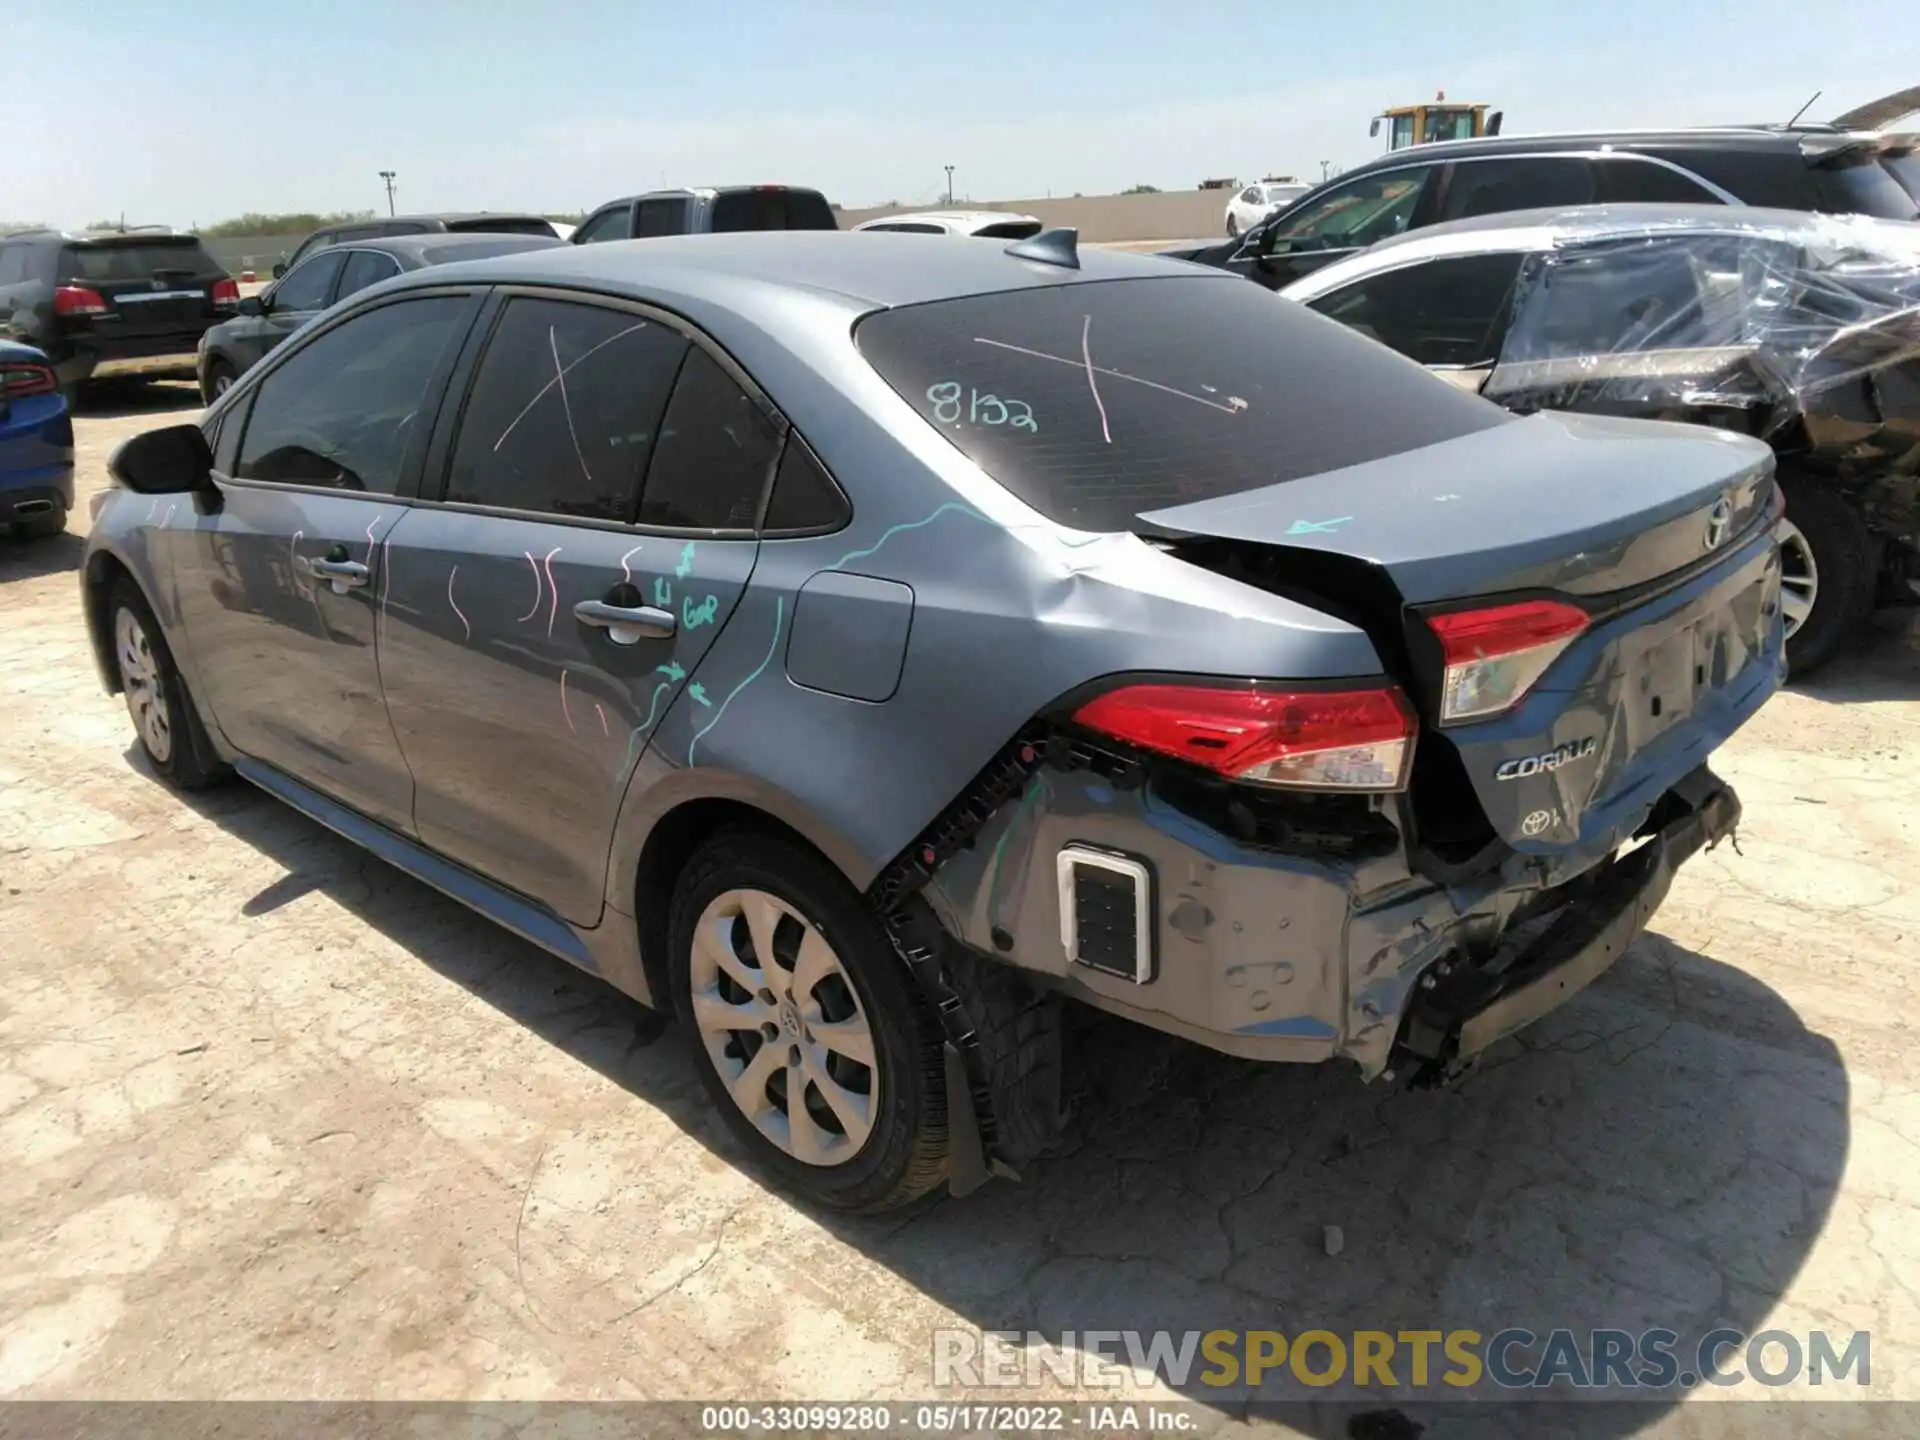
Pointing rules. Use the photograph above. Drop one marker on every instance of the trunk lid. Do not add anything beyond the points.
(1660, 533)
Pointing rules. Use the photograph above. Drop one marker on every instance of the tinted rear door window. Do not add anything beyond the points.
(1524, 182)
(364, 268)
(565, 410)
(1095, 401)
(772, 210)
(661, 217)
(716, 447)
(1629, 181)
(343, 410)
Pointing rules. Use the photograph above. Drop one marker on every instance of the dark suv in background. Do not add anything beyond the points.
(708, 211)
(1807, 167)
(111, 304)
(465, 222)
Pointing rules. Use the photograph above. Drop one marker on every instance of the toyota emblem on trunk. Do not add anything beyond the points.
(1718, 519)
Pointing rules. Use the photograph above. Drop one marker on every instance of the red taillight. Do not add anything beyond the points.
(1301, 739)
(1494, 656)
(20, 381)
(78, 300)
(226, 293)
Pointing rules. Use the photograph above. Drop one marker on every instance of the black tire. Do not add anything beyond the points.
(1844, 560)
(905, 1155)
(211, 386)
(190, 761)
(44, 526)
(1233, 228)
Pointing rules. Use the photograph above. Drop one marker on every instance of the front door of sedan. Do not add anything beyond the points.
(1336, 222)
(280, 588)
(593, 533)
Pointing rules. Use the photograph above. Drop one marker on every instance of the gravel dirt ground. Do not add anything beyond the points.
(276, 1120)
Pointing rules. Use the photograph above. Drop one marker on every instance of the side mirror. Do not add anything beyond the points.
(175, 460)
(1373, 130)
(252, 305)
(279, 268)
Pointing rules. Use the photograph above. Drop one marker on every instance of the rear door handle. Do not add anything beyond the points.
(626, 624)
(343, 574)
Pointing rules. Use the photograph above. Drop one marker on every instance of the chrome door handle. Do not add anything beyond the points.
(342, 574)
(626, 625)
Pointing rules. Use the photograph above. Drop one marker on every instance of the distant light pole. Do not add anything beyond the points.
(1324, 164)
(388, 176)
(949, 170)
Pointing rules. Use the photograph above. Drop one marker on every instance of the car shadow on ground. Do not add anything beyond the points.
(29, 557)
(1662, 1152)
(118, 399)
(1883, 665)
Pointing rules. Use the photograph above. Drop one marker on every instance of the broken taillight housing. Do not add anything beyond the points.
(1351, 740)
(1494, 656)
(17, 382)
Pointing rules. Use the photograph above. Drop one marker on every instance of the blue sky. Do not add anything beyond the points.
(182, 114)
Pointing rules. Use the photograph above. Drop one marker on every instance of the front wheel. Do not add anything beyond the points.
(162, 711)
(1827, 574)
(1233, 228)
(808, 1032)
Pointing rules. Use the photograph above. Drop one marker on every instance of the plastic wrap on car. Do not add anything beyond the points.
(1802, 329)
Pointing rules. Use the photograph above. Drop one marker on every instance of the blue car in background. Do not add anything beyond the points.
(36, 444)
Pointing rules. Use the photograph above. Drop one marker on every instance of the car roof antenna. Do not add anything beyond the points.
(1804, 108)
(1050, 247)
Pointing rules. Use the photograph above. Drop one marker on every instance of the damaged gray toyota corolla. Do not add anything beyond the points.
(857, 649)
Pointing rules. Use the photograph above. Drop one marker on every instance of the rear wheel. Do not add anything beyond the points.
(808, 1033)
(1233, 228)
(163, 714)
(1826, 574)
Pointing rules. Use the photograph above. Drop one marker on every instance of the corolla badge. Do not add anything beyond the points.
(1718, 519)
(1552, 760)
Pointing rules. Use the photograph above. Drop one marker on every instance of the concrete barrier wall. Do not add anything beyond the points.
(1170, 215)
(240, 252)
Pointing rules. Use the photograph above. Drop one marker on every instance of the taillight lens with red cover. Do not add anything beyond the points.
(17, 382)
(78, 300)
(226, 293)
(1495, 655)
(1351, 740)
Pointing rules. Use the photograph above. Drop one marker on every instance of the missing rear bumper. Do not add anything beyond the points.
(1462, 1009)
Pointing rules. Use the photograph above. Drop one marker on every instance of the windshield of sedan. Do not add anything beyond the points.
(1096, 401)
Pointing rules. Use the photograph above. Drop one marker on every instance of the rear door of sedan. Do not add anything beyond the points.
(585, 532)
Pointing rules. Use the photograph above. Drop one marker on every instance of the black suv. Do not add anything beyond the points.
(465, 222)
(116, 303)
(1808, 168)
(707, 211)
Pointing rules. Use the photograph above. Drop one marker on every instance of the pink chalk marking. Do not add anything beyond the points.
(603, 718)
(537, 591)
(566, 709)
(553, 606)
(456, 604)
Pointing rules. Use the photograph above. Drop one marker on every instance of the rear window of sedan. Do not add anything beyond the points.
(1096, 401)
(104, 261)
